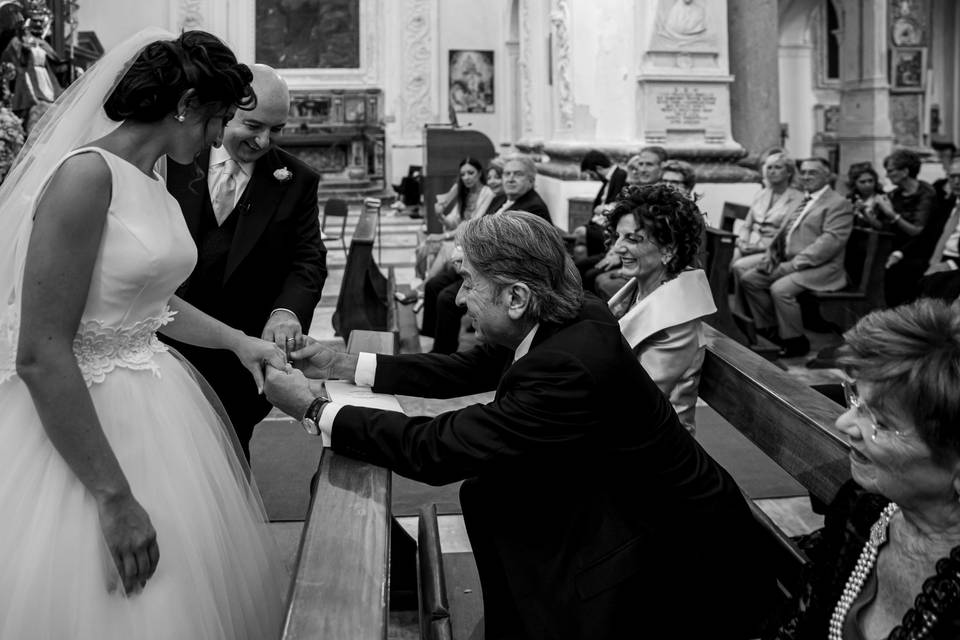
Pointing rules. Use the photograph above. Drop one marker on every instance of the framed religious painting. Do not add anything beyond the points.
(908, 69)
(471, 81)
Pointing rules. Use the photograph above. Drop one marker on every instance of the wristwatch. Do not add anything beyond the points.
(311, 419)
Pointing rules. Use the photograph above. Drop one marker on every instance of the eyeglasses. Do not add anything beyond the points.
(863, 412)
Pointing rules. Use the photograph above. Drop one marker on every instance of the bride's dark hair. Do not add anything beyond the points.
(165, 69)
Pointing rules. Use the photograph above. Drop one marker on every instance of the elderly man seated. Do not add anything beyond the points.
(806, 254)
(441, 315)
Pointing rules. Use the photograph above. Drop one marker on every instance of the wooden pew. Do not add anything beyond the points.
(366, 299)
(865, 263)
(340, 586)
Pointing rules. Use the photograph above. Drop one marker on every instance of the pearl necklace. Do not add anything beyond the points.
(868, 557)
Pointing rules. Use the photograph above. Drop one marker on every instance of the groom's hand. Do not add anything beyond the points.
(288, 391)
(281, 327)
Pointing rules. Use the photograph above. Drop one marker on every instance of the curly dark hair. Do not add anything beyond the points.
(669, 218)
(165, 69)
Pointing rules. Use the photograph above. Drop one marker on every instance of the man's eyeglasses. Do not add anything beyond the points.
(863, 411)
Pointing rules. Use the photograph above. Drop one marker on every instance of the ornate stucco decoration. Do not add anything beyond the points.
(560, 19)
(526, 83)
(189, 15)
(417, 58)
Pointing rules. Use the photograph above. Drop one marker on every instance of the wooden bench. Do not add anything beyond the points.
(716, 257)
(865, 263)
(340, 585)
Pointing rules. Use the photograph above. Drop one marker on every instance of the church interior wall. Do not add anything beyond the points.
(603, 64)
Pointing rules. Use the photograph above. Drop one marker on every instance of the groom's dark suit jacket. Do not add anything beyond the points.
(591, 512)
(267, 255)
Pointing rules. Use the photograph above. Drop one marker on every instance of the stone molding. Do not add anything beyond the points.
(189, 14)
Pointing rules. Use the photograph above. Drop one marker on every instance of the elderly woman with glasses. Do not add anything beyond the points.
(887, 563)
(660, 308)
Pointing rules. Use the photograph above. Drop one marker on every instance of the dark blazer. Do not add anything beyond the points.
(591, 512)
(276, 260)
(617, 179)
(531, 202)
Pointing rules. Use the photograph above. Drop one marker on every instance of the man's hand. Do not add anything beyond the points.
(319, 362)
(782, 269)
(893, 259)
(288, 391)
(281, 325)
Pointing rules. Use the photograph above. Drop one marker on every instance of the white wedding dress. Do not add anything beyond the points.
(218, 575)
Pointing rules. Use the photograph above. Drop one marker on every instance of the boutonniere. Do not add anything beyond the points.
(282, 174)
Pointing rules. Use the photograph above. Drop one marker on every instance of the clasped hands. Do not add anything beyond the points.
(292, 388)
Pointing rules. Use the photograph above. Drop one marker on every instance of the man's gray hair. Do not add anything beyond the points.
(529, 167)
(516, 246)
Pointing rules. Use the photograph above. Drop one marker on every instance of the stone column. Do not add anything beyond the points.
(865, 132)
(755, 93)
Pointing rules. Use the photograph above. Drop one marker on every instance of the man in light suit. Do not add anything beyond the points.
(252, 210)
(585, 500)
(806, 255)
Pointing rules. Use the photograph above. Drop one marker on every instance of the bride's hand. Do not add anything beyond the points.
(254, 353)
(131, 539)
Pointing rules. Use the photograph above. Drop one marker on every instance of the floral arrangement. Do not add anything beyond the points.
(282, 174)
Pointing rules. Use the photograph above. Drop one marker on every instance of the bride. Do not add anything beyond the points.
(126, 511)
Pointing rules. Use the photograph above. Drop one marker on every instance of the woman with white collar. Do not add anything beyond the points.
(658, 233)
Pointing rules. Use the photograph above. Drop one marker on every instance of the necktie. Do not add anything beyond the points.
(225, 191)
(778, 248)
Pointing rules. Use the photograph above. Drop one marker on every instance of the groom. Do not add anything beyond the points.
(261, 264)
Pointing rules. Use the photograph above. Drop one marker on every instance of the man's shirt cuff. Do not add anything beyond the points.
(366, 371)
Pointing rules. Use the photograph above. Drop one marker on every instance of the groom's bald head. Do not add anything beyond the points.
(250, 134)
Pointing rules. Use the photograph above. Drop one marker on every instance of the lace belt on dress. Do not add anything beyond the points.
(99, 349)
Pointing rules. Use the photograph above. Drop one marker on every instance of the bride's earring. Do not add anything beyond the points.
(180, 118)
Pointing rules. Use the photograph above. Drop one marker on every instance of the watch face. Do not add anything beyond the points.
(905, 33)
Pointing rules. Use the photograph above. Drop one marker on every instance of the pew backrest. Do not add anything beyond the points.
(340, 585)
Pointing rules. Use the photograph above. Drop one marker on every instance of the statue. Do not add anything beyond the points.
(36, 86)
(682, 25)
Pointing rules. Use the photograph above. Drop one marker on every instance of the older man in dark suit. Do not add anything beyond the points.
(806, 254)
(441, 314)
(252, 210)
(591, 512)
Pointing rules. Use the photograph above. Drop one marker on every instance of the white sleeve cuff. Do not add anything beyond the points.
(366, 371)
(325, 423)
(287, 310)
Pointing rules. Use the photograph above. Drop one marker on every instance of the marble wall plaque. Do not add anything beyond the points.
(685, 113)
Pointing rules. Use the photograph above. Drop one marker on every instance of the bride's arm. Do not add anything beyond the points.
(62, 251)
(197, 328)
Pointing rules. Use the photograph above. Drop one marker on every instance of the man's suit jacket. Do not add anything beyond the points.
(613, 187)
(531, 202)
(816, 248)
(591, 512)
(276, 260)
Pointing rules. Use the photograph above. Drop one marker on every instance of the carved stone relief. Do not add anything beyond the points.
(190, 15)
(560, 19)
(417, 45)
(526, 83)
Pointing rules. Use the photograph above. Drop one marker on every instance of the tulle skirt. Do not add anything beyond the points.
(219, 576)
